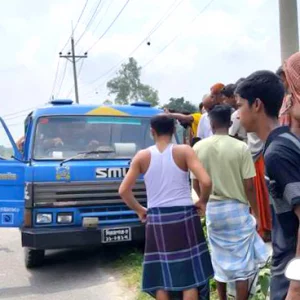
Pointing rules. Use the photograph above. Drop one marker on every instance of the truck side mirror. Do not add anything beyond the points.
(292, 271)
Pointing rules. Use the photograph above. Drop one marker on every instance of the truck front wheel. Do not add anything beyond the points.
(34, 258)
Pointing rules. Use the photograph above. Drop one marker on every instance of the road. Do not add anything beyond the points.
(80, 274)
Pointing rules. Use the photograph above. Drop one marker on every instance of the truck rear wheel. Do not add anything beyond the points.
(34, 258)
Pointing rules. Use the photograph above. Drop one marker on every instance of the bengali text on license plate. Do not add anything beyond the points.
(112, 235)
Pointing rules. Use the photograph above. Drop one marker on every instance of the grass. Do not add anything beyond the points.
(130, 265)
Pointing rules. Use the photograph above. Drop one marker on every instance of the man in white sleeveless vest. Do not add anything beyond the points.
(176, 260)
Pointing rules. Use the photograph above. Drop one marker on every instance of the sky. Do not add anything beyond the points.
(199, 43)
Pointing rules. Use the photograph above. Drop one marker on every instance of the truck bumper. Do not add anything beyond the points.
(62, 238)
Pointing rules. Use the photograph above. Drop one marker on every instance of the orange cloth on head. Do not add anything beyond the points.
(262, 198)
(217, 88)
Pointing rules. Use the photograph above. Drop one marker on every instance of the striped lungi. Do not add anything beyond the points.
(176, 253)
(237, 251)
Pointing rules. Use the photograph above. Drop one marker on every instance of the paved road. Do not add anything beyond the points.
(85, 274)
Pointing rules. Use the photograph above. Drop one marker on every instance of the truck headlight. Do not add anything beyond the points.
(43, 218)
(64, 218)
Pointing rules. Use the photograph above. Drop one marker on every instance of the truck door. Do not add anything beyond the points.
(12, 181)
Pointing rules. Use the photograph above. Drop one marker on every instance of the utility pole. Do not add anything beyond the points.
(289, 37)
(73, 58)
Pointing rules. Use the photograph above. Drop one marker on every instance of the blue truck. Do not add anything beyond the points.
(62, 190)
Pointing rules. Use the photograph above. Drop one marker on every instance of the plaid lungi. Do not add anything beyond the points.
(176, 253)
(237, 251)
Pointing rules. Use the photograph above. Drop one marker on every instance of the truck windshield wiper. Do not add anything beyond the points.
(100, 150)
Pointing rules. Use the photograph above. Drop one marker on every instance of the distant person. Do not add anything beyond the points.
(236, 129)
(284, 116)
(180, 262)
(260, 99)
(215, 97)
(191, 119)
(20, 144)
(237, 251)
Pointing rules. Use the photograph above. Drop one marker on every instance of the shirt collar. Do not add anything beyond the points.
(274, 134)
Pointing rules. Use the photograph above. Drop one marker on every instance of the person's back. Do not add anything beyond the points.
(225, 159)
(167, 184)
(236, 249)
(170, 210)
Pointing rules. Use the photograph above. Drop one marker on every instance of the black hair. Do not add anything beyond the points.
(163, 125)
(221, 115)
(228, 90)
(201, 106)
(266, 86)
(280, 71)
(240, 81)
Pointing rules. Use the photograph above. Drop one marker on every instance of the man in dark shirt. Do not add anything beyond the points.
(259, 100)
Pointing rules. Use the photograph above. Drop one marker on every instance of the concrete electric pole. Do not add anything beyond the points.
(289, 37)
(73, 58)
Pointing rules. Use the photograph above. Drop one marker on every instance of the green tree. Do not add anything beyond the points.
(181, 105)
(107, 102)
(127, 85)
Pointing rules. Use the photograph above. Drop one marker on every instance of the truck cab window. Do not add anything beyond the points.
(6, 150)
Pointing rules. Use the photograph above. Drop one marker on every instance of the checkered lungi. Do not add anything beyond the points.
(237, 251)
(176, 254)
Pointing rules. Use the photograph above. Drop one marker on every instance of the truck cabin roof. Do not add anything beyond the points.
(65, 108)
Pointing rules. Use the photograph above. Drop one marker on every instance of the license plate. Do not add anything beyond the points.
(113, 235)
(90, 222)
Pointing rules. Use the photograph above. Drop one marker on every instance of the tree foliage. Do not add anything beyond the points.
(127, 85)
(181, 105)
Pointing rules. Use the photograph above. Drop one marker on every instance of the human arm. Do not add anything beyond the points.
(127, 185)
(248, 174)
(201, 180)
(251, 196)
(181, 117)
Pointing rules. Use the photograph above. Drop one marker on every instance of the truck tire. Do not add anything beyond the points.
(34, 258)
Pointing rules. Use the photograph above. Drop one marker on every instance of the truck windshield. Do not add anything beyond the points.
(60, 137)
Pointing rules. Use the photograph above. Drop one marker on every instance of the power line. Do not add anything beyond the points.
(81, 14)
(173, 40)
(101, 19)
(90, 21)
(18, 112)
(158, 24)
(55, 78)
(111, 24)
(63, 78)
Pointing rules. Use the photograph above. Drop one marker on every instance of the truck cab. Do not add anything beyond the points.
(62, 190)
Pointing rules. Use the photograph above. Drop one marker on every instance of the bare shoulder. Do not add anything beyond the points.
(141, 155)
(182, 151)
(182, 148)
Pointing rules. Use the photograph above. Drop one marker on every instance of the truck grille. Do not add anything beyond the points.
(66, 194)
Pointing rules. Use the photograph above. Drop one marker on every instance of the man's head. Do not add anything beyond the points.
(220, 117)
(281, 74)
(259, 98)
(201, 106)
(208, 102)
(215, 92)
(228, 95)
(162, 125)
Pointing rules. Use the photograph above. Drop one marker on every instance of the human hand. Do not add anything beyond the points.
(201, 207)
(57, 142)
(142, 213)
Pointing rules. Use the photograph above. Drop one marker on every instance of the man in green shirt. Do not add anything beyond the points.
(236, 248)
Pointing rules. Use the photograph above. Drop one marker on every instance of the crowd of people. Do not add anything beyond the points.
(245, 168)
